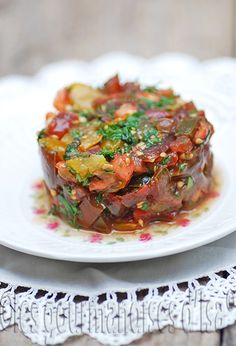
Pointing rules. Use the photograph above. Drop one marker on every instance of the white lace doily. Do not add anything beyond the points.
(117, 303)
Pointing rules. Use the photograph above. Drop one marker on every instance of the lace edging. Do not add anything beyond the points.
(117, 318)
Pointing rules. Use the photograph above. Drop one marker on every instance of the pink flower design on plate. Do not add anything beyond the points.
(38, 186)
(145, 237)
(95, 238)
(39, 211)
(53, 225)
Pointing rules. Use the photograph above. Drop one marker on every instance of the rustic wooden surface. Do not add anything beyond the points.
(12, 337)
(36, 32)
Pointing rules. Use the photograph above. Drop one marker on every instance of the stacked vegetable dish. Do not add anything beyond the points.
(120, 157)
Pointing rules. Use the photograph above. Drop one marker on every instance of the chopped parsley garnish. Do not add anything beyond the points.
(127, 131)
(190, 182)
(41, 134)
(182, 166)
(127, 148)
(85, 113)
(166, 160)
(52, 210)
(145, 206)
(75, 134)
(109, 154)
(177, 193)
(150, 89)
(99, 198)
(71, 150)
(164, 101)
(110, 108)
(68, 189)
(150, 137)
(123, 130)
(68, 209)
(83, 181)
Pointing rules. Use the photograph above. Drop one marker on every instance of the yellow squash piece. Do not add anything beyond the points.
(89, 140)
(88, 165)
(67, 139)
(82, 96)
(111, 145)
(54, 145)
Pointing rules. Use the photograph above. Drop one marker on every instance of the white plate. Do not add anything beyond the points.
(23, 103)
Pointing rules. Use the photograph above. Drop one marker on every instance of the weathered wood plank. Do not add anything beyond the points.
(229, 336)
(234, 29)
(34, 32)
(179, 338)
(167, 337)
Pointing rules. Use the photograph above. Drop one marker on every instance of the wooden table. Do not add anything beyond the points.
(225, 337)
(34, 32)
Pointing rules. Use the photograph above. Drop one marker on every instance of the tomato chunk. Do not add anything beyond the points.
(64, 173)
(164, 124)
(132, 198)
(139, 165)
(113, 203)
(169, 160)
(62, 100)
(60, 125)
(201, 133)
(157, 114)
(124, 111)
(152, 153)
(165, 92)
(182, 144)
(144, 215)
(123, 167)
(90, 211)
(113, 85)
(103, 183)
